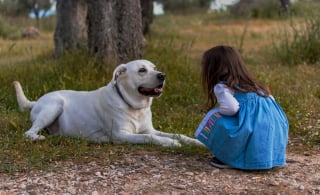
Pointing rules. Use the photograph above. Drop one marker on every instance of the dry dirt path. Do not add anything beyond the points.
(146, 172)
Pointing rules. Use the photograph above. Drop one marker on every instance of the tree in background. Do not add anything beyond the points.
(71, 29)
(115, 29)
(147, 14)
(36, 6)
(285, 6)
(23, 7)
(111, 29)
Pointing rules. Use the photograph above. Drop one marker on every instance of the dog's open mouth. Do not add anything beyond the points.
(153, 92)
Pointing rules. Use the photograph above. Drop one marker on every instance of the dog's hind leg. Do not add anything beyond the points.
(46, 116)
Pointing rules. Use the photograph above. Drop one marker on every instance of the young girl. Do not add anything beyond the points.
(248, 130)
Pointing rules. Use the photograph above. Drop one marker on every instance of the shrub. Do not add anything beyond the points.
(185, 7)
(256, 9)
(7, 31)
(300, 43)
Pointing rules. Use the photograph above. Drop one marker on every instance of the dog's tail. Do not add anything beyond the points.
(23, 102)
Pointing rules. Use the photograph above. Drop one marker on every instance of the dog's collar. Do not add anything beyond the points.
(120, 94)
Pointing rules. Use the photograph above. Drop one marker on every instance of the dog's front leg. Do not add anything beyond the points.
(180, 137)
(123, 137)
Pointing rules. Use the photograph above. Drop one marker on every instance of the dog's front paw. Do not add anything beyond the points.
(189, 140)
(34, 136)
(200, 143)
(196, 142)
(171, 143)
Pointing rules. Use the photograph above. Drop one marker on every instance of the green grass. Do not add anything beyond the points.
(175, 47)
(7, 31)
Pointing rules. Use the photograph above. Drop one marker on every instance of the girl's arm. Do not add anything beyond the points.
(228, 105)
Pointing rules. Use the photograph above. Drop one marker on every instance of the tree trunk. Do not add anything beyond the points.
(147, 15)
(115, 29)
(130, 40)
(71, 29)
(102, 29)
(285, 6)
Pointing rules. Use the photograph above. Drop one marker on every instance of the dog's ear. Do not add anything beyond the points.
(120, 70)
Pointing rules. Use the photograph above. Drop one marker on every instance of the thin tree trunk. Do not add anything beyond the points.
(147, 15)
(71, 29)
(285, 6)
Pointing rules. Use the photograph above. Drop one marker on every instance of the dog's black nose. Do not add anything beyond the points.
(161, 76)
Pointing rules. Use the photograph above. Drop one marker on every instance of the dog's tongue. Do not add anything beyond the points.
(158, 90)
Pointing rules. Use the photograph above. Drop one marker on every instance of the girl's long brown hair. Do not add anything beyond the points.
(224, 64)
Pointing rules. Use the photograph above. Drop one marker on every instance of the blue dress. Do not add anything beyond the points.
(254, 138)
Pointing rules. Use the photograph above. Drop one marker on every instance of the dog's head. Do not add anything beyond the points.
(138, 81)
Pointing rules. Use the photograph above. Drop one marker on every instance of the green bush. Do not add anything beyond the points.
(271, 9)
(8, 7)
(257, 9)
(303, 8)
(4, 32)
(300, 43)
(7, 31)
(185, 6)
(48, 24)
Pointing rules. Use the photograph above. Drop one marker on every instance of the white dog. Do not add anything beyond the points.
(119, 112)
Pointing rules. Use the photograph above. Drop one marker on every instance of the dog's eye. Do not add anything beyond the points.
(141, 70)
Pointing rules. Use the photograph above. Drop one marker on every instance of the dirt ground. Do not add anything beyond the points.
(146, 172)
